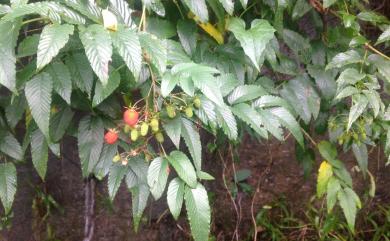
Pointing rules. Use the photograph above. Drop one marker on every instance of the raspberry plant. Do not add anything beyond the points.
(125, 77)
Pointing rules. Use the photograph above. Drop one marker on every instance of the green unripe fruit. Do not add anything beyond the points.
(197, 102)
(116, 158)
(154, 124)
(171, 111)
(144, 129)
(127, 129)
(134, 135)
(189, 112)
(159, 137)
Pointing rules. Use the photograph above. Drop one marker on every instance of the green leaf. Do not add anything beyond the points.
(348, 202)
(371, 16)
(183, 167)
(155, 49)
(272, 101)
(227, 121)
(80, 71)
(360, 104)
(204, 176)
(331, 194)
(228, 5)
(172, 128)
(115, 177)
(271, 123)
(161, 28)
(53, 38)
(15, 110)
(298, 44)
(301, 7)
(105, 161)
(176, 53)
(8, 185)
(38, 94)
(254, 40)
(39, 152)
(199, 8)
(102, 92)
(226, 83)
(59, 123)
(140, 168)
(187, 32)
(158, 176)
(168, 83)
(301, 95)
(382, 65)
(345, 58)
(90, 143)
(205, 82)
(97, 44)
(347, 91)
(385, 36)
(244, 3)
(87, 8)
(192, 139)
(244, 93)
(156, 6)
(327, 150)
(325, 172)
(349, 76)
(122, 11)
(140, 195)
(288, 121)
(175, 196)
(374, 100)
(328, 3)
(10, 145)
(361, 155)
(250, 117)
(62, 82)
(198, 211)
(325, 80)
(28, 46)
(128, 46)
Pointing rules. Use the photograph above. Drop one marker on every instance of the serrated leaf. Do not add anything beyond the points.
(199, 8)
(183, 167)
(349, 76)
(245, 93)
(97, 44)
(226, 83)
(272, 101)
(325, 172)
(90, 143)
(39, 153)
(139, 195)
(122, 11)
(385, 36)
(298, 44)
(251, 117)
(168, 83)
(80, 71)
(10, 146)
(59, 123)
(105, 161)
(187, 32)
(62, 82)
(228, 5)
(53, 39)
(327, 150)
(271, 123)
(382, 65)
(115, 177)
(288, 121)
(140, 168)
(161, 28)
(254, 40)
(333, 188)
(347, 91)
(325, 80)
(301, 7)
(87, 8)
(360, 104)
(131, 179)
(244, 3)
(205, 83)
(38, 94)
(172, 128)
(176, 53)
(128, 46)
(374, 100)
(192, 139)
(347, 200)
(345, 58)
(102, 92)
(158, 176)
(175, 196)
(156, 6)
(156, 51)
(8, 185)
(198, 211)
(28, 46)
(15, 110)
(361, 155)
(226, 120)
(204, 176)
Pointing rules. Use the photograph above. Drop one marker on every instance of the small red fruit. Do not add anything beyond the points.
(130, 117)
(111, 137)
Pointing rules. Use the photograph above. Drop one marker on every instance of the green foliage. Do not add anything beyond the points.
(256, 72)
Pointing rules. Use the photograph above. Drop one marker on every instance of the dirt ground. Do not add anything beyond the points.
(279, 177)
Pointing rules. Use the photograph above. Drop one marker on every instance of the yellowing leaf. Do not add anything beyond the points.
(109, 20)
(208, 28)
(325, 172)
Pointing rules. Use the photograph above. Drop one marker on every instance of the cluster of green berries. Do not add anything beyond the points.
(187, 109)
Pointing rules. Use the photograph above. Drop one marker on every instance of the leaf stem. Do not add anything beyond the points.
(370, 47)
(142, 18)
(32, 20)
(308, 137)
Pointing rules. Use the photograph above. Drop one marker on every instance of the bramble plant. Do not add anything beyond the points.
(67, 68)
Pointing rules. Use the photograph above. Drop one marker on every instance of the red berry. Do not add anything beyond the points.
(111, 137)
(130, 117)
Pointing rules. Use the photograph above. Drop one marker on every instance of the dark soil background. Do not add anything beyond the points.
(272, 163)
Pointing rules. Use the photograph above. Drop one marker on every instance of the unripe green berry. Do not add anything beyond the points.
(171, 111)
(116, 158)
(144, 129)
(197, 102)
(154, 124)
(127, 129)
(134, 135)
(189, 112)
(159, 137)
